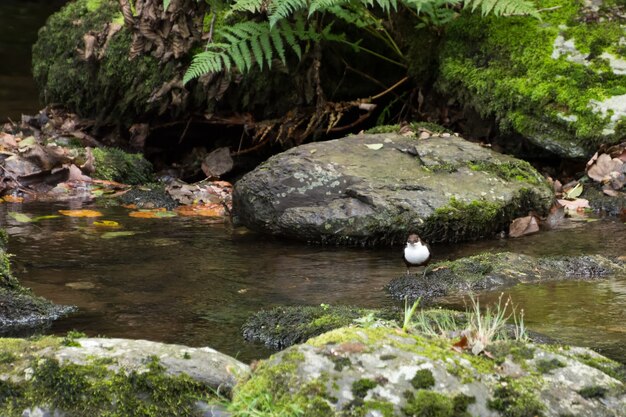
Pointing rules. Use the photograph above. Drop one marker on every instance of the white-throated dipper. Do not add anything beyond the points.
(416, 253)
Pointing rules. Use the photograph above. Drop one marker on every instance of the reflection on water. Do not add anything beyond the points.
(182, 280)
(19, 22)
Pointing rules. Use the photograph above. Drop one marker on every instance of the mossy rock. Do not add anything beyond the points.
(19, 307)
(489, 271)
(113, 164)
(371, 189)
(79, 376)
(558, 82)
(387, 372)
(281, 327)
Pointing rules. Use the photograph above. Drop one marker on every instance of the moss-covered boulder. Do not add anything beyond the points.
(559, 82)
(281, 327)
(19, 307)
(489, 271)
(374, 188)
(113, 164)
(78, 376)
(386, 372)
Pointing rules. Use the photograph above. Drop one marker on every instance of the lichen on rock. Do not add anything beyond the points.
(374, 188)
(386, 372)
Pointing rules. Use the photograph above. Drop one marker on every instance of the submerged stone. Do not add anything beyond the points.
(374, 188)
(489, 271)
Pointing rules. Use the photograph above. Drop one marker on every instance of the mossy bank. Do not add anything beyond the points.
(558, 82)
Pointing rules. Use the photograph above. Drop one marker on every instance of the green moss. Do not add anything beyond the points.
(94, 390)
(460, 403)
(383, 129)
(544, 365)
(70, 338)
(423, 379)
(516, 170)
(504, 67)
(112, 89)
(476, 219)
(361, 386)
(517, 398)
(113, 164)
(606, 365)
(429, 404)
(285, 326)
(593, 391)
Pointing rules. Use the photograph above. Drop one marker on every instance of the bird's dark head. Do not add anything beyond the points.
(413, 239)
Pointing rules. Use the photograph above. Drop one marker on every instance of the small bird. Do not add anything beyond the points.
(416, 253)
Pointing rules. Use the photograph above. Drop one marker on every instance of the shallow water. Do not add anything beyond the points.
(183, 280)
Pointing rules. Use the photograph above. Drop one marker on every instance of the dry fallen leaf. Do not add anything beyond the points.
(604, 165)
(13, 199)
(573, 205)
(523, 226)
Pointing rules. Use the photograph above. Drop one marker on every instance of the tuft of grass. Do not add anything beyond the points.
(409, 312)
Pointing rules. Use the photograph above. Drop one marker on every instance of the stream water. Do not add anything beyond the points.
(183, 280)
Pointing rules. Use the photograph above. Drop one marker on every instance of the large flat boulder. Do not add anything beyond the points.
(387, 372)
(374, 188)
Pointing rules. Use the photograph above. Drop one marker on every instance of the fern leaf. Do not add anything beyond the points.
(503, 7)
(281, 9)
(252, 6)
(264, 40)
(277, 41)
(255, 45)
(244, 50)
(290, 37)
(204, 63)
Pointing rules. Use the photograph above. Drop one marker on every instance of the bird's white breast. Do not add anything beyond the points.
(417, 253)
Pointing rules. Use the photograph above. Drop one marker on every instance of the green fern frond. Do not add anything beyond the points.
(206, 62)
(247, 44)
(252, 6)
(281, 9)
(503, 7)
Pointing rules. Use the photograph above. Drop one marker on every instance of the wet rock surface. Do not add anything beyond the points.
(19, 307)
(384, 371)
(490, 271)
(94, 376)
(373, 188)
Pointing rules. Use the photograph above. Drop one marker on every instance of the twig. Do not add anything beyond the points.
(210, 38)
(184, 131)
(393, 87)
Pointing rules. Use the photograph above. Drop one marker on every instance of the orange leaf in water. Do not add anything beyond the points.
(13, 199)
(204, 210)
(157, 213)
(80, 213)
(130, 206)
